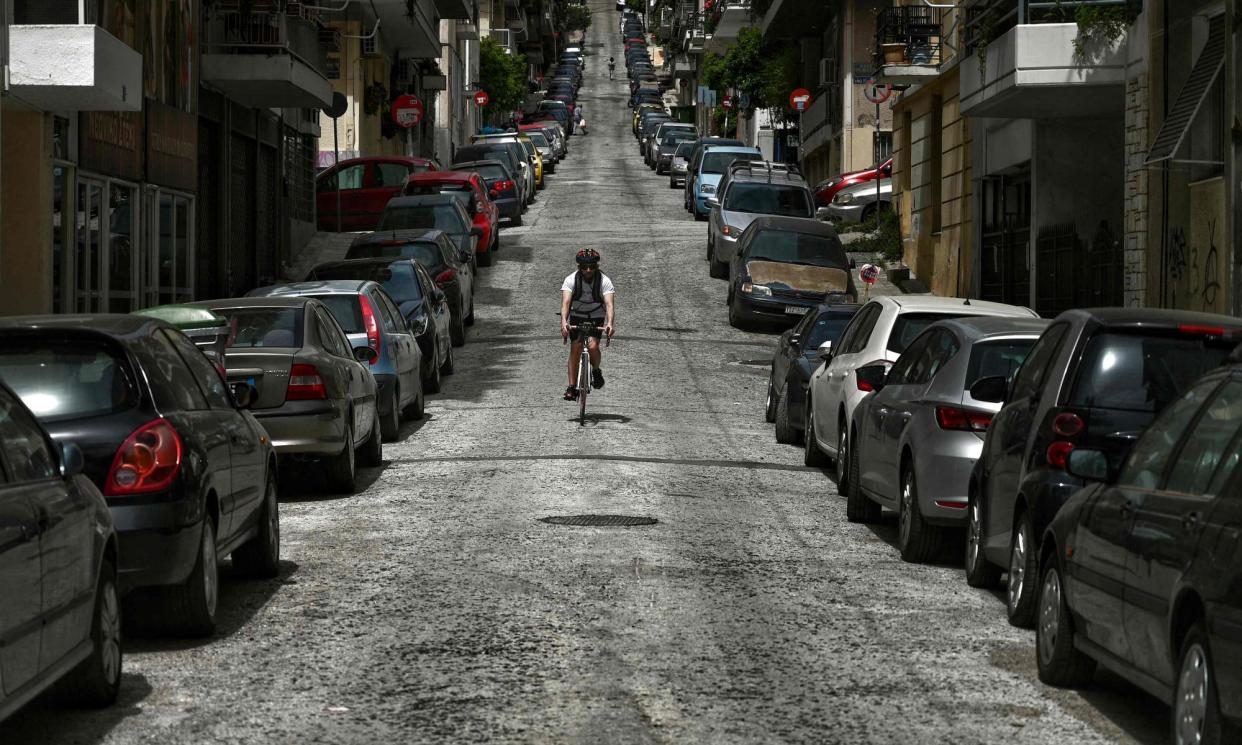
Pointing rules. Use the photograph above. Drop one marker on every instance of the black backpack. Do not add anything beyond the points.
(597, 284)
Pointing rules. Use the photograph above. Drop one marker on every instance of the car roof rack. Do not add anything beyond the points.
(764, 167)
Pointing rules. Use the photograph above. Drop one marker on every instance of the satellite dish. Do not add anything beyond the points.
(338, 106)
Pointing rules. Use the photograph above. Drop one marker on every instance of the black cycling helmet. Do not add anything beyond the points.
(587, 257)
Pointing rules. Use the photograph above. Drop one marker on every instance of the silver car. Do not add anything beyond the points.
(678, 165)
(858, 203)
(651, 144)
(917, 437)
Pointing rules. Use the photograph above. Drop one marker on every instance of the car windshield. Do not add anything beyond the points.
(909, 325)
(1001, 357)
(397, 278)
(345, 309)
(1140, 372)
(717, 162)
(769, 199)
(797, 248)
(827, 327)
(67, 378)
(263, 327)
(421, 216)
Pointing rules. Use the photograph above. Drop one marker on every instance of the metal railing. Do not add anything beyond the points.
(988, 20)
(917, 28)
(230, 31)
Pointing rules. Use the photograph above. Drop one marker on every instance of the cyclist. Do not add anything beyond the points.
(612, 66)
(586, 295)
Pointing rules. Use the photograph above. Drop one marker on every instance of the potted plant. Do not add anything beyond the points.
(894, 52)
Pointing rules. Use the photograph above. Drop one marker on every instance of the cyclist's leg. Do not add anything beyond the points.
(575, 352)
(593, 351)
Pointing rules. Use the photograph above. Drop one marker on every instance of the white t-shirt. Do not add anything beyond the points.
(588, 305)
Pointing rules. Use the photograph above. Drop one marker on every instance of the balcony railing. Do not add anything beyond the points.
(987, 20)
(264, 33)
(908, 35)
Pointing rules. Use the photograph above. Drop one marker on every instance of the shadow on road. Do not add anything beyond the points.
(45, 720)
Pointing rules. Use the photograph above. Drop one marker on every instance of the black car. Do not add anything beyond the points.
(784, 267)
(451, 269)
(424, 306)
(188, 474)
(58, 566)
(501, 184)
(1095, 379)
(800, 350)
(1142, 568)
(514, 159)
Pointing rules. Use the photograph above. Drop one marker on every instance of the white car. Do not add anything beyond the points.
(879, 332)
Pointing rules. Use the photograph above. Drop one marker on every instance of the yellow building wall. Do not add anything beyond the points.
(25, 213)
(357, 130)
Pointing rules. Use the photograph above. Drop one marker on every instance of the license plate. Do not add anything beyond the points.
(796, 310)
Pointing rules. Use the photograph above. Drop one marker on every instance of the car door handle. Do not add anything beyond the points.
(1190, 520)
(1126, 508)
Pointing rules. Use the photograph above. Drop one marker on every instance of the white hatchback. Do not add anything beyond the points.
(879, 332)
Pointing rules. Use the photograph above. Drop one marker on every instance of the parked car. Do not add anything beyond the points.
(879, 333)
(314, 393)
(651, 145)
(362, 187)
(508, 153)
(1141, 568)
(502, 187)
(784, 267)
(60, 620)
(543, 145)
(450, 268)
(188, 474)
(669, 141)
(677, 166)
(859, 203)
(1095, 379)
(528, 150)
(471, 188)
(798, 352)
(424, 306)
(826, 190)
(692, 163)
(917, 436)
(370, 318)
(441, 212)
(711, 167)
(751, 189)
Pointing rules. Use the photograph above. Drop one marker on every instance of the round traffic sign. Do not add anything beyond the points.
(407, 111)
(338, 107)
(799, 99)
(481, 98)
(727, 102)
(876, 93)
(869, 273)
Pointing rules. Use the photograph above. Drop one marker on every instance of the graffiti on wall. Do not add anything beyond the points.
(1194, 269)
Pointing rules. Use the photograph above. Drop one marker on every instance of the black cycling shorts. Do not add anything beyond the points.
(575, 335)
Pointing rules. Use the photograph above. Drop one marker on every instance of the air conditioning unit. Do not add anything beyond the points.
(407, 71)
(827, 72)
(371, 46)
(330, 39)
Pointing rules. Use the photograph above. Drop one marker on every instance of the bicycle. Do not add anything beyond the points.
(585, 329)
(612, 72)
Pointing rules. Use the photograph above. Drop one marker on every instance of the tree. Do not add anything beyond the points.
(503, 76)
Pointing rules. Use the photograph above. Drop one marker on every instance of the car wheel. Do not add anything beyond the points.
(1196, 703)
(390, 423)
(769, 411)
(449, 364)
(736, 319)
(96, 680)
(415, 410)
(698, 217)
(457, 330)
(710, 248)
(916, 539)
(672, 184)
(432, 381)
(842, 463)
(371, 451)
(484, 259)
(1023, 569)
(979, 571)
(190, 607)
(858, 508)
(516, 221)
(470, 313)
(812, 456)
(260, 556)
(342, 472)
(1060, 663)
(785, 433)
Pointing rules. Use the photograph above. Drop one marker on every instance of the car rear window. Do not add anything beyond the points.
(827, 327)
(1000, 357)
(676, 137)
(67, 378)
(345, 309)
(910, 325)
(263, 327)
(718, 162)
(684, 149)
(397, 278)
(769, 199)
(423, 216)
(489, 172)
(1141, 372)
(426, 253)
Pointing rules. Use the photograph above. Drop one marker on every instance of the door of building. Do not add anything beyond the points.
(1005, 271)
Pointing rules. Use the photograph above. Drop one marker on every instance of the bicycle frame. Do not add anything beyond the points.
(584, 366)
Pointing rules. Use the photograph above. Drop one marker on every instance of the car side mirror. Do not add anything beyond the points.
(824, 352)
(244, 394)
(476, 231)
(1088, 464)
(823, 214)
(71, 460)
(465, 257)
(991, 389)
(712, 202)
(871, 377)
(418, 325)
(795, 340)
(365, 355)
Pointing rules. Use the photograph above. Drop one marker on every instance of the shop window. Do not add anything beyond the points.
(89, 222)
(62, 189)
(122, 201)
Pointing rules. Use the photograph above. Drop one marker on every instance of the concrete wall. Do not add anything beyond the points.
(26, 222)
(1077, 173)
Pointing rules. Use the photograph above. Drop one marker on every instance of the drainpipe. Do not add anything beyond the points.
(1233, 168)
(1164, 170)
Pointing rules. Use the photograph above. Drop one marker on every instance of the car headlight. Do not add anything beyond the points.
(707, 189)
(753, 289)
(679, 166)
(731, 232)
(844, 199)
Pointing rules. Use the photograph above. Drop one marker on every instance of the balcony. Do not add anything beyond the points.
(1034, 65)
(455, 9)
(730, 17)
(60, 67)
(907, 44)
(265, 59)
(516, 21)
(694, 36)
(793, 19)
(683, 67)
(411, 28)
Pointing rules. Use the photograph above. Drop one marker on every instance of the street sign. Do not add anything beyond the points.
(743, 101)
(727, 102)
(869, 273)
(338, 107)
(481, 98)
(800, 99)
(407, 111)
(878, 94)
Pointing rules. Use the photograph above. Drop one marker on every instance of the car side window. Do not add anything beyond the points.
(26, 449)
(171, 381)
(900, 374)
(330, 333)
(387, 317)
(1146, 463)
(1031, 375)
(391, 174)
(941, 346)
(205, 373)
(346, 179)
(394, 311)
(865, 327)
(851, 329)
(1203, 449)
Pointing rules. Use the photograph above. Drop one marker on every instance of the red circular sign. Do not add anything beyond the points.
(727, 102)
(481, 98)
(869, 273)
(876, 93)
(407, 111)
(799, 99)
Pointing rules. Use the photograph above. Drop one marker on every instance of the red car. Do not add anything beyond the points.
(366, 184)
(826, 190)
(483, 211)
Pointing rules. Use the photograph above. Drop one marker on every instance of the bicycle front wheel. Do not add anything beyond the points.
(584, 385)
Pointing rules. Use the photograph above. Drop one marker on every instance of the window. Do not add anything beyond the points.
(940, 349)
(825, 327)
(387, 318)
(991, 358)
(1034, 368)
(1146, 463)
(799, 248)
(1201, 452)
(717, 162)
(349, 177)
(900, 374)
(63, 378)
(26, 448)
(423, 217)
(391, 174)
(769, 199)
(346, 310)
(170, 380)
(263, 327)
(208, 377)
(860, 330)
(331, 336)
(1135, 372)
(390, 308)
(908, 326)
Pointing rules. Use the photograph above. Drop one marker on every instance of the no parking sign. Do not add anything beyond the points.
(869, 273)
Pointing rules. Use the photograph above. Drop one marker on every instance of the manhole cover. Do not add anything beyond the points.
(599, 521)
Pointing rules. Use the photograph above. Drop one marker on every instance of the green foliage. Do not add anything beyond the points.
(712, 71)
(635, 5)
(503, 76)
(766, 72)
(884, 239)
(567, 18)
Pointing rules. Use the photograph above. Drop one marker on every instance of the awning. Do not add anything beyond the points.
(1192, 95)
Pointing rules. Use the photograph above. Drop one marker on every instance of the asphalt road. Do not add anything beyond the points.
(436, 606)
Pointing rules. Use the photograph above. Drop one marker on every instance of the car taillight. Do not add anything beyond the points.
(448, 275)
(147, 461)
(371, 323)
(503, 185)
(1066, 425)
(305, 384)
(1058, 453)
(954, 418)
(864, 385)
(1191, 328)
